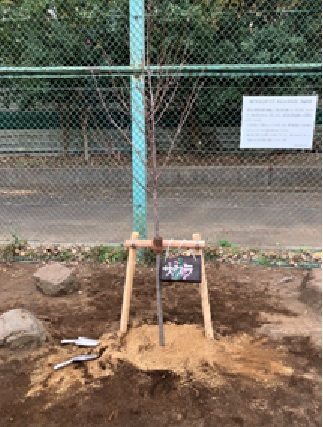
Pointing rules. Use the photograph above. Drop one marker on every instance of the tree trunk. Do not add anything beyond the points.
(159, 303)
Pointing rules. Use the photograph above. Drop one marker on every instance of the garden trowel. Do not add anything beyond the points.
(80, 358)
(82, 342)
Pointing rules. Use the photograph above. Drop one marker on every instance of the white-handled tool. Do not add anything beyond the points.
(81, 358)
(82, 342)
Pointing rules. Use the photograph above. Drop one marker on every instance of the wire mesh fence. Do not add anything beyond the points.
(71, 33)
(67, 133)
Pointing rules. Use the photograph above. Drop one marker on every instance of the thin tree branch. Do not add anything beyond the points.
(165, 58)
(109, 115)
(144, 187)
(152, 125)
(124, 165)
(124, 81)
(125, 105)
(118, 127)
(167, 103)
(121, 98)
(89, 109)
(170, 81)
(188, 107)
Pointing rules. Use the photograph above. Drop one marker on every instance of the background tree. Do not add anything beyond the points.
(42, 33)
(39, 33)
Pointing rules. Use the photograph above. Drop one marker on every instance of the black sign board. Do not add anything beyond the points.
(181, 269)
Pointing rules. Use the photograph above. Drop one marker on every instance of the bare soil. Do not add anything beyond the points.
(262, 369)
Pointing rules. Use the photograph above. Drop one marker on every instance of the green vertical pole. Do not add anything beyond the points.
(137, 59)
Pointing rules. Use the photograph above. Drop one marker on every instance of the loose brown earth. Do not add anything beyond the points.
(262, 369)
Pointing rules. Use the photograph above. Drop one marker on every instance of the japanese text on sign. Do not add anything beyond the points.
(278, 122)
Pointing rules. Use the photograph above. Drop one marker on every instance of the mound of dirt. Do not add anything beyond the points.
(187, 353)
(187, 350)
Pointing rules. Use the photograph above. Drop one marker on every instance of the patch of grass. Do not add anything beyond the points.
(109, 254)
(225, 243)
(65, 255)
(147, 257)
(13, 248)
(19, 250)
(302, 250)
(263, 260)
(211, 253)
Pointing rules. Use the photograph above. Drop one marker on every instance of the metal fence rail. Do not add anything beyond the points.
(70, 127)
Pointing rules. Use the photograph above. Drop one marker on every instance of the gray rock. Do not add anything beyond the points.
(20, 329)
(56, 280)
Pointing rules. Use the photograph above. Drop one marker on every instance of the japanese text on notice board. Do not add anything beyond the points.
(278, 122)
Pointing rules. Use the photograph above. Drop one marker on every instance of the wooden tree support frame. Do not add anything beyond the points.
(132, 244)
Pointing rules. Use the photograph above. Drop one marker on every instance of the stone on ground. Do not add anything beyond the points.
(56, 280)
(20, 329)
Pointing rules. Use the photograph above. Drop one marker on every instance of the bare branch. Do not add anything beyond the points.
(89, 109)
(161, 91)
(115, 86)
(121, 98)
(161, 50)
(108, 112)
(119, 95)
(124, 81)
(144, 187)
(170, 81)
(117, 126)
(165, 57)
(188, 107)
(152, 124)
(151, 115)
(167, 103)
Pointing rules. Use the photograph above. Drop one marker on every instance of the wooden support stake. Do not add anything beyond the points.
(206, 309)
(131, 265)
(166, 243)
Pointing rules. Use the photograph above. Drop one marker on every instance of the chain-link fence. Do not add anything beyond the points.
(68, 132)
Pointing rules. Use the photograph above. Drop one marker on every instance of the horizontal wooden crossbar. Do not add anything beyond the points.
(194, 244)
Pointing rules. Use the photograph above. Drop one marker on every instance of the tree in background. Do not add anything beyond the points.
(42, 33)
(39, 34)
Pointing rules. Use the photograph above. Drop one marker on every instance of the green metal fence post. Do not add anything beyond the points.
(137, 59)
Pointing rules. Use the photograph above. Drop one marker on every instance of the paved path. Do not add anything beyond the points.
(83, 215)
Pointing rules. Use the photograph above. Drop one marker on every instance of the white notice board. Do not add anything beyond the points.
(278, 122)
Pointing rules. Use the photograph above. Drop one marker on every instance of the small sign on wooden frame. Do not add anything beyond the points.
(181, 269)
(195, 274)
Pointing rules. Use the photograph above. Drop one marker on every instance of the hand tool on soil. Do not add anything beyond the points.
(80, 358)
(82, 342)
